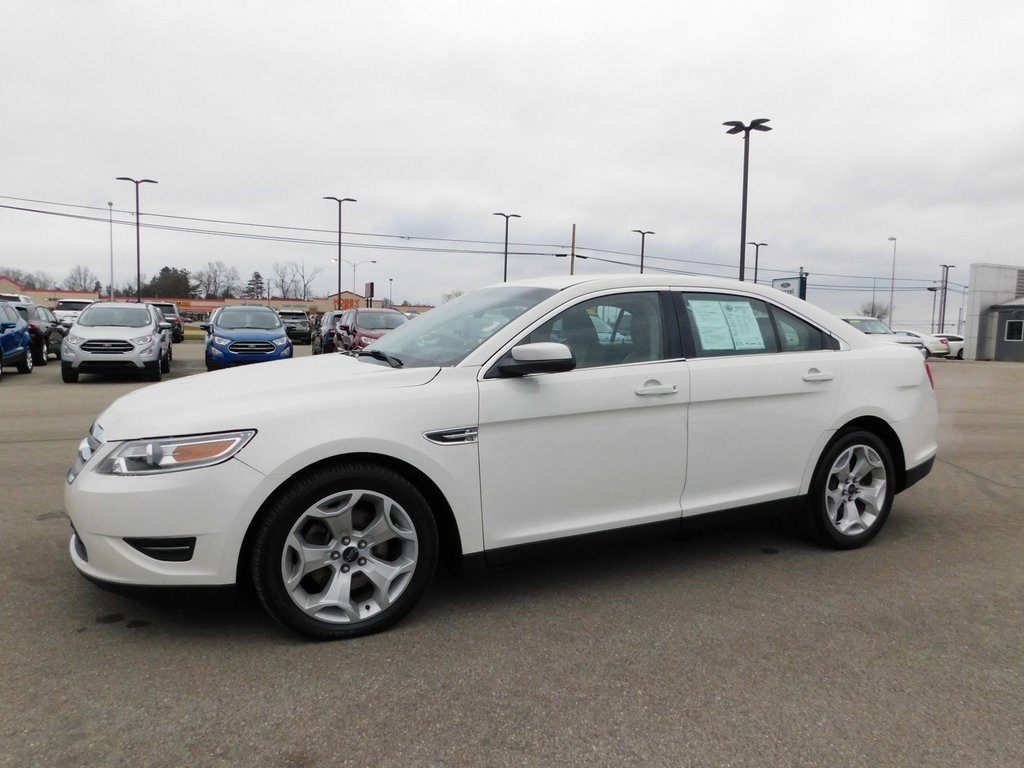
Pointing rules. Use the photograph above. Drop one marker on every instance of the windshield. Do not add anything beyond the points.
(72, 306)
(446, 335)
(869, 325)
(266, 320)
(380, 321)
(125, 317)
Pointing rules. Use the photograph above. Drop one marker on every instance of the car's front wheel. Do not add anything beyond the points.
(347, 550)
(68, 373)
(852, 490)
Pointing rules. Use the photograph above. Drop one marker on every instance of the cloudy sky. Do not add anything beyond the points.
(891, 118)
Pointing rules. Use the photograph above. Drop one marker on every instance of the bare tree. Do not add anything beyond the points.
(284, 280)
(216, 280)
(32, 281)
(305, 279)
(80, 278)
(876, 310)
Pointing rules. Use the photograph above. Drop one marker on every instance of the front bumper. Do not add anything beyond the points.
(179, 528)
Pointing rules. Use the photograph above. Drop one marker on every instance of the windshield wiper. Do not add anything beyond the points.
(380, 354)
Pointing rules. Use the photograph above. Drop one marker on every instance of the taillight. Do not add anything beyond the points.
(931, 380)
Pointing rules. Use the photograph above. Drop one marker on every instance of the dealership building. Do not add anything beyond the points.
(994, 311)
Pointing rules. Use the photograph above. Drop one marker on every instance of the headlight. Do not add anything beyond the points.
(221, 341)
(76, 340)
(173, 454)
(140, 340)
(282, 341)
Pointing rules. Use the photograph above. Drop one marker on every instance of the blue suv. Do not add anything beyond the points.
(243, 335)
(15, 340)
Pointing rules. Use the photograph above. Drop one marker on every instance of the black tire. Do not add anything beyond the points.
(165, 362)
(26, 364)
(316, 347)
(154, 370)
(41, 352)
(68, 374)
(380, 526)
(852, 491)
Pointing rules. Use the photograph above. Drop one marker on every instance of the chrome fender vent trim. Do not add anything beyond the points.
(455, 436)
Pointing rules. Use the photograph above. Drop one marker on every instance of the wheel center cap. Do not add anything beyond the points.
(350, 554)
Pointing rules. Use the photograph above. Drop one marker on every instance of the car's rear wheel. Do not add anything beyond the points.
(852, 490)
(347, 550)
(42, 352)
(68, 374)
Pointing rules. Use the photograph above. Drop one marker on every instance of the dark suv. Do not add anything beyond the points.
(296, 325)
(324, 332)
(172, 316)
(44, 329)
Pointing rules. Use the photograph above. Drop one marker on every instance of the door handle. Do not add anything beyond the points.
(652, 388)
(815, 375)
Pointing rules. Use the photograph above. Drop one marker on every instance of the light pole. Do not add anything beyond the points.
(739, 127)
(504, 277)
(391, 293)
(643, 236)
(339, 201)
(892, 280)
(138, 247)
(110, 205)
(932, 289)
(945, 285)
(757, 256)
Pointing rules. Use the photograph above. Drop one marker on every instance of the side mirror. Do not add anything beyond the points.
(67, 322)
(205, 327)
(540, 357)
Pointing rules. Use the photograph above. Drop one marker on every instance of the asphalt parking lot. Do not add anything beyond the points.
(738, 646)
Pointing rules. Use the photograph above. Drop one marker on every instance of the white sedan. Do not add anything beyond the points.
(494, 425)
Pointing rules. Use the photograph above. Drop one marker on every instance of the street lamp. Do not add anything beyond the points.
(643, 236)
(933, 289)
(757, 255)
(945, 285)
(138, 248)
(354, 265)
(340, 200)
(892, 280)
(738, 127)
(507, 216)
(391, 292)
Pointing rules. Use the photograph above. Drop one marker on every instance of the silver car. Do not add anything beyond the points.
(117, 337)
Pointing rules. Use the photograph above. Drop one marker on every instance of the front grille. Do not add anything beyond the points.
(251, 347)
(108, 346)
(177, 550)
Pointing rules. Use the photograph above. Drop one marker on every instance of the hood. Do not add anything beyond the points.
(248, 334)
(111, 331)
(243, 398)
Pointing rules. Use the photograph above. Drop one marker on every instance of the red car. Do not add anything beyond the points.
(358, 327)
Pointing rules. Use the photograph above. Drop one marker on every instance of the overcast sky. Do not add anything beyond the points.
(890, 118)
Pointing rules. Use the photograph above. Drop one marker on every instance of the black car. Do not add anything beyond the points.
(296, 325)
(172, 316)
(325, 331)
(45, 330)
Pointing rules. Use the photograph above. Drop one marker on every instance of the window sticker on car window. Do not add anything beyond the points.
(724, 325)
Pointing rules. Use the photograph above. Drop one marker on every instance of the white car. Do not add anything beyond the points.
(495, 425)
(936, 346)
(70, 309)
(117, 337)
(879, 331)
(956, 344)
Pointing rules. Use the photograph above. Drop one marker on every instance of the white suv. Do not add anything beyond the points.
(70, 309)
(117, 337)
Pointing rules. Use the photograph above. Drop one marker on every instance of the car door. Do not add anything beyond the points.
(594, 448)
(764, 384)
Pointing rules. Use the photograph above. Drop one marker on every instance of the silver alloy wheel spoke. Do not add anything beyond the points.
(856, 490)
(349, 556)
